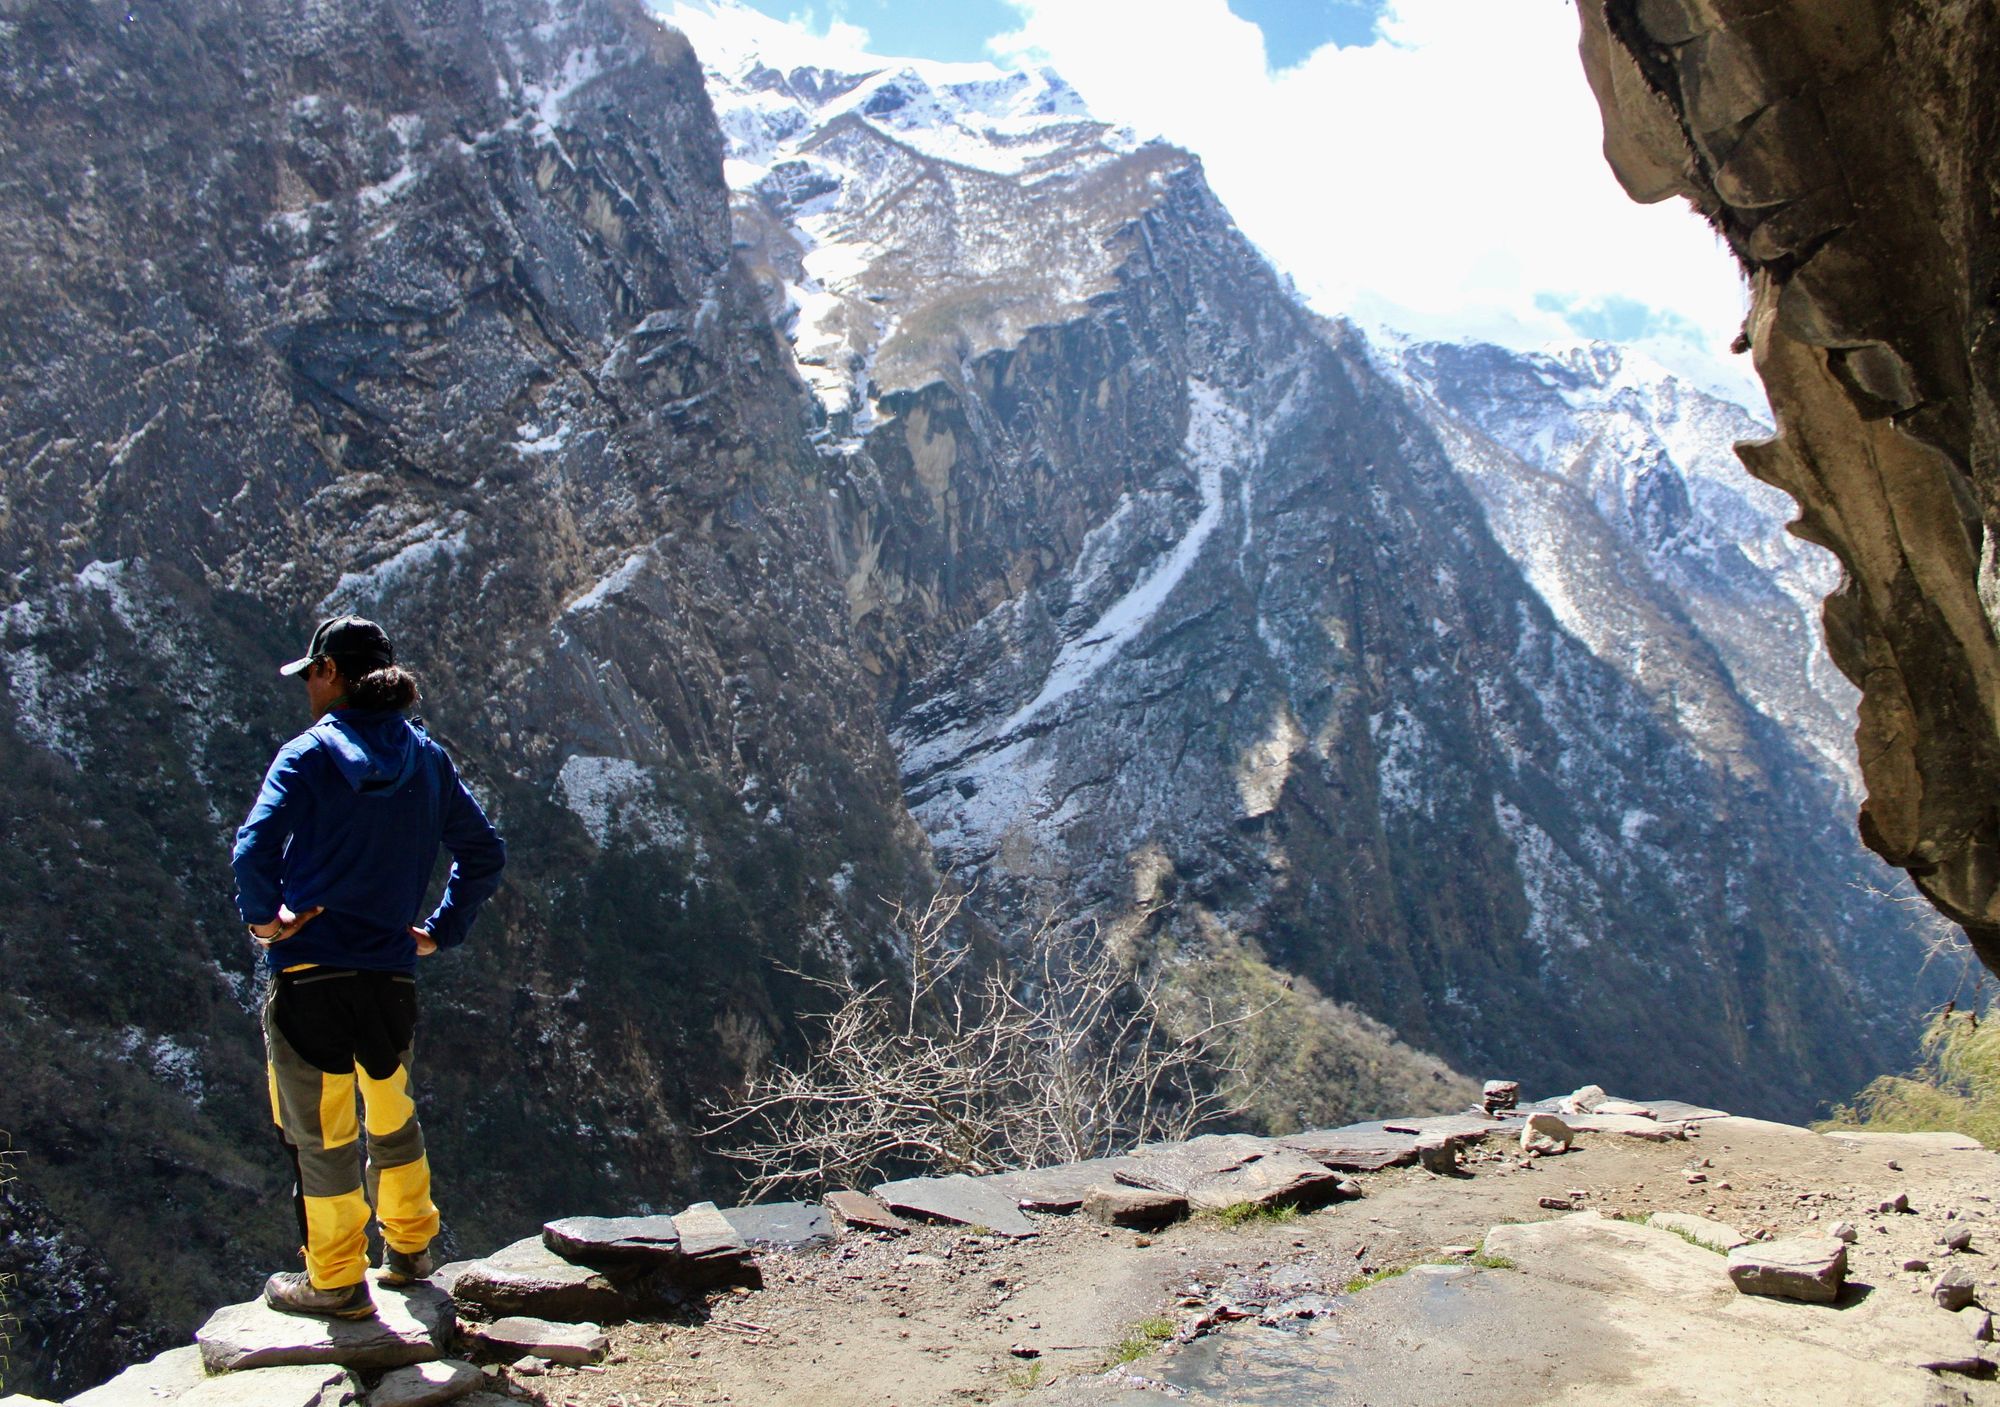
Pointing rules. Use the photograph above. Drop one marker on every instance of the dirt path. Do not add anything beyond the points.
(934, 1317)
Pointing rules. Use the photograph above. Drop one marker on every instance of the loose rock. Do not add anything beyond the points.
(959, 1200)
(1546, 1134)
(1844, 1231)
(1218, 1171)
(1954, 1289)
(538, 1338)
(614, 1241)
(784, 1226)
(1500, 1094)
(1141, 1208)
(423, 1384)
(529, 1278)
(864, 1213)
(1800, 1268)
(1583, 1101)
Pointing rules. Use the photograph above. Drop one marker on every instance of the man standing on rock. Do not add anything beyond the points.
(331, 868)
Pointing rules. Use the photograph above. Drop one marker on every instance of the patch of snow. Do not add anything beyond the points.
(374, 585)
(615, 799)
(616, 581)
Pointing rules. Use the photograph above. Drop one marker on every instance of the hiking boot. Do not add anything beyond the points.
(401, 1267)
(293, 1292)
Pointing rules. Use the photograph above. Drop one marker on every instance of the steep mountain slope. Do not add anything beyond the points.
(1185, 616)
(426, 310)
(1616, 488)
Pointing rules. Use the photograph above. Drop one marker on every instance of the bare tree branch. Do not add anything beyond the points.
(1071, 1056)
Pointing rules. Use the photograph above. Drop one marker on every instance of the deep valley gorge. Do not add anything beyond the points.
(799, 489)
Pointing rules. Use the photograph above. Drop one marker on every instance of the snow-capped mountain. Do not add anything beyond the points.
(1454, 683)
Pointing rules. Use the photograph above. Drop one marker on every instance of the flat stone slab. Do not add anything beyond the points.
(1682, 1110)
(1921, 1142)
(529, 1278)
(309, 1386)
(959, 1200)
(782, 1226)
(150, 1383)
(558, 1343)
(425, 1384)
(1810, 1268)
(1368, 1148)
(1627, 1124)
(1473, 1128)
(706, 1234)
(1217, 1171)
(1139, 1208)
(1611, 1257)
(1718, 1236)
(295, 1386)
(864, 1213)
(614, 1240)
(1060, 1188)
(412, 1324)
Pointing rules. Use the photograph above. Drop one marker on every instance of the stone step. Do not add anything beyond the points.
(609, 1242)
(558, 1343)
(959, 1200)
(1218, 1171)
(411, 1324)
(863, 1213)
(529, 1278)
(782, 1226)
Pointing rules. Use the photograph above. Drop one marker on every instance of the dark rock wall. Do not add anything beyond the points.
(1850, 154)
(426, 310)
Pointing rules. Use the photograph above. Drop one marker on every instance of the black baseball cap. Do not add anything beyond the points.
(356, 645)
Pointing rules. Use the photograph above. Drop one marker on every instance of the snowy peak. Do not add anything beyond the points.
(905, 216)
(774, 86)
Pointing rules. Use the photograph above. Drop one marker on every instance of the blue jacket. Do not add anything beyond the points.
(350, 817)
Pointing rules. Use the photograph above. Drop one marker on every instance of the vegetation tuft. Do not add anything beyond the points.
(1955, 1087)
(1250, 1213)
(1145, 1336)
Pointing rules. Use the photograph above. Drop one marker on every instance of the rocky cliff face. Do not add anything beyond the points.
(428, 311)
(1189, 614)
(1848, 154)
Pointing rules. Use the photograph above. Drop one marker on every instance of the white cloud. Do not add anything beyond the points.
(1446, 180)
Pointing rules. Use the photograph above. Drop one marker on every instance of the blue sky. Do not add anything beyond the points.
(958, 30)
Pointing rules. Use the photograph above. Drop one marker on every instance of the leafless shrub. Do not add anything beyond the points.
(1074, 1055)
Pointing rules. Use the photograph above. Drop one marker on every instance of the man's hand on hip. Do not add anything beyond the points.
(426, 945)
(286, 924)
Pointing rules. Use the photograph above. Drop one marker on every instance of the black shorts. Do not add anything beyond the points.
(337, 1018)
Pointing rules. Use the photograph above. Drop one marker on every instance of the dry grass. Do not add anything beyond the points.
(1955, 1087)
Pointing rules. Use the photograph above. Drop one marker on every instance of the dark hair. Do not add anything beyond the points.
(391, 686)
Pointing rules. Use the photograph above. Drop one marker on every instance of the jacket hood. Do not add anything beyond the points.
(375, 752)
